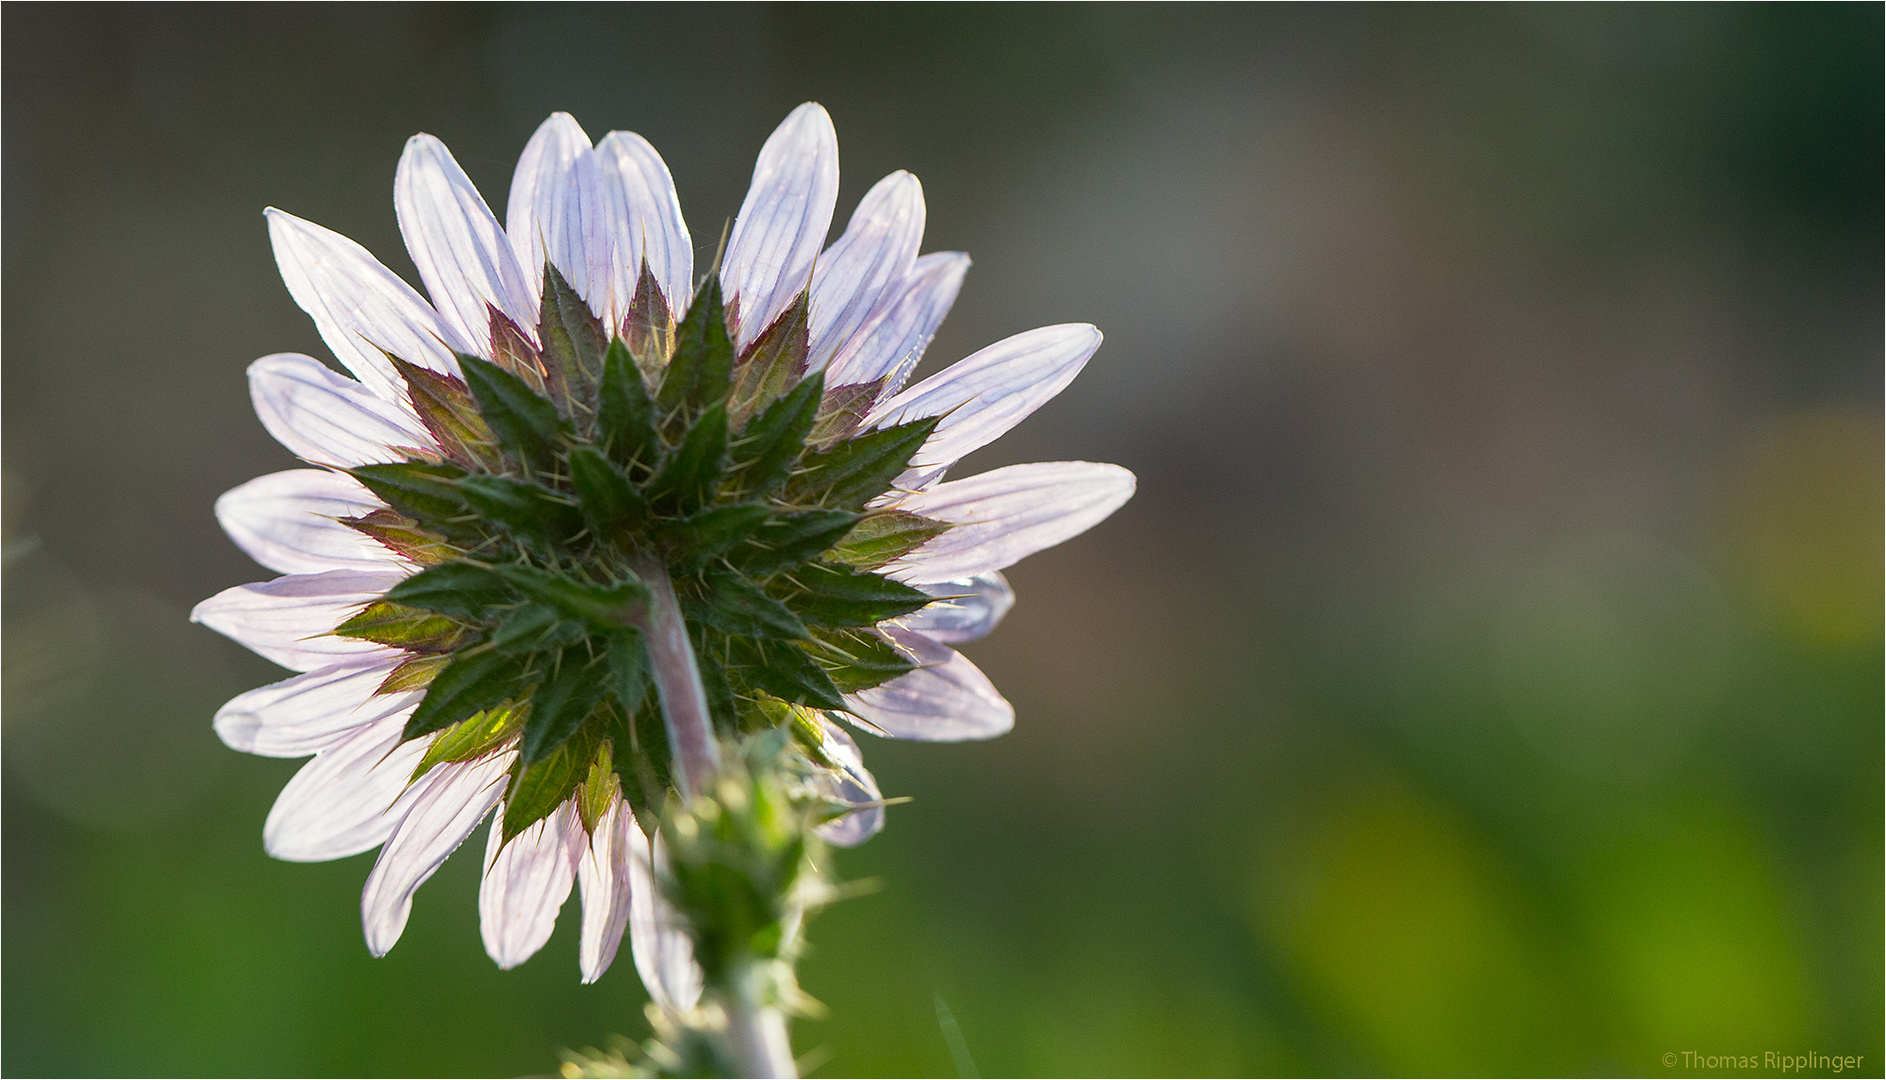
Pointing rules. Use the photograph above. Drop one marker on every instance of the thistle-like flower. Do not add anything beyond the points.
(574, 438)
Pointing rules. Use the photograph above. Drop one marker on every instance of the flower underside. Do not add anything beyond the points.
(572, 471)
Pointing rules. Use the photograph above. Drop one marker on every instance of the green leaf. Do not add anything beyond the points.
(423, 491)
(691, 476)
(857, 659)
(537, 791)
(771, 363)
(625, 417)
(600, 788)
(404, 628)
(561, 704)
(698, 374)
(730, 603)
(764, 453)
(884, 536)
(609, 501)
(802, 725)
(842, 410)
(413, 674)
(446, 408)
(784, 671)
(533, 627)
(525, 422)
(790, 539)
(460, 590)
(524, 509)
(646, 771)
(601, 605)
(469, 684)
(473, 737)
(709, 645)
(649, 327)
(853, 472)
(573, 342)
(840, 596)
(711, 532)
(403, 536)
(628, 664)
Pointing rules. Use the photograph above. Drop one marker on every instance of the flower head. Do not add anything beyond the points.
(571, 426)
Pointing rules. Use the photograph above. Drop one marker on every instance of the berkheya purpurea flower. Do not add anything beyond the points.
(579, 478)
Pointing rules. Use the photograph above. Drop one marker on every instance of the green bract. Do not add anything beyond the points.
(562, 470)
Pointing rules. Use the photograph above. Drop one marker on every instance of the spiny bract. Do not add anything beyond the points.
(563, 469)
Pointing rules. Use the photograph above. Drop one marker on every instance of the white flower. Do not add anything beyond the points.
(606, 218)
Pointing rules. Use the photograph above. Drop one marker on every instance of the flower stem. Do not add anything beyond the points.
(758, 1032)
(678, 682)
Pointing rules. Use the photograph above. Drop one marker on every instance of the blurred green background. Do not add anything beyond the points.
(1486, 679)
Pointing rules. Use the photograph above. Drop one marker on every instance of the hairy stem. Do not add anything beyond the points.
(678, 682)
(758, 1032)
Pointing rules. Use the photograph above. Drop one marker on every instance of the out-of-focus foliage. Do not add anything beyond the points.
(1487, 677)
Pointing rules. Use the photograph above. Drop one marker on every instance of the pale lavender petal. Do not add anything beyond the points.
(291, 620)
(362, 309)
(945, 703)
(853, 785)
(559, 213)
(341, 803)
(862, 724)
(463, 255)
(915, 647)
(1005, 515)
(855, 280)
(967, 608)
(782, 223)
(328, 418)
(526, 882)
(984, 395)
(433, 823)
(664, 956)
(603, 875)
(289, 522)
(648, 216)
(890, 348)
(312, 711)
